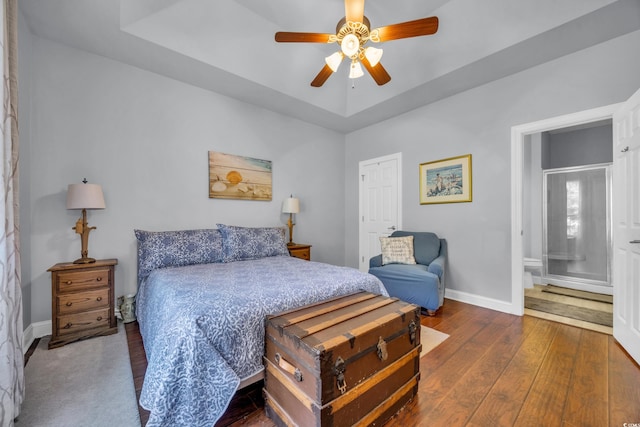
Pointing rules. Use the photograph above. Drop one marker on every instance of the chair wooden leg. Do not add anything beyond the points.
(428, 312)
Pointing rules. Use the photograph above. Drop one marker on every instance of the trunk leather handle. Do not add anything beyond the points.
(288, 367)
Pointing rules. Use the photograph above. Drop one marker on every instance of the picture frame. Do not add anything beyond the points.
(446, 181)
(239, 177)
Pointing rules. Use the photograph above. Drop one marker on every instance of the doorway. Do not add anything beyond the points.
(380, 196)
(519, 135)
(567, 206)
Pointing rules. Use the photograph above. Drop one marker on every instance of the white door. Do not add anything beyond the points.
(626, 226)
(380, 204)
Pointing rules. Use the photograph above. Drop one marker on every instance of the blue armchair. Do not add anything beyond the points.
(421, 283)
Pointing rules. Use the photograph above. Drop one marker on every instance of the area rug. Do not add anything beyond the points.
(591, 296)
(574, 312)
(86, 383)
(430, 339)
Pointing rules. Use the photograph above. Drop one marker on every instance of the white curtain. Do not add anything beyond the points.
(11, 356)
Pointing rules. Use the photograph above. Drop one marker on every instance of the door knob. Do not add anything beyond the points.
(393, 227)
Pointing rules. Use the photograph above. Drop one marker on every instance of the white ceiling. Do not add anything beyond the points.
(228, 46)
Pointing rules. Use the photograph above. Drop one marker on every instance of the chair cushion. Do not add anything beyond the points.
(426, 246)
(397, 250)
(402, 270)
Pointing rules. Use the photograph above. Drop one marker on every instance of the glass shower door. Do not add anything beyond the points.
(577, 233)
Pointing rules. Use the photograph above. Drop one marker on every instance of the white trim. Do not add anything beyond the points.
(33, 331)
(27, 338)
(480, 301)
(518, 134)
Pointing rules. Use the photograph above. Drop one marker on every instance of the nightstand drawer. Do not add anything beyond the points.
(85, 301)
(81, 321)
(300, 251)
(80, 280)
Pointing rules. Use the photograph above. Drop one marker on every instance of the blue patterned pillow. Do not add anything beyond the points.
(242, 243)
(158, 249)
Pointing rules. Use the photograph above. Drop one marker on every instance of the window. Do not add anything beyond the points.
(573, 208)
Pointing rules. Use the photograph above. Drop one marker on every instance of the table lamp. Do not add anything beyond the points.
(291, 206)
(84, 196)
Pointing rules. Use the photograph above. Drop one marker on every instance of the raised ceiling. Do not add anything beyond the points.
(228, 46)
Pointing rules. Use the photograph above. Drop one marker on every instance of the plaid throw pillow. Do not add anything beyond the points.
(397, 250)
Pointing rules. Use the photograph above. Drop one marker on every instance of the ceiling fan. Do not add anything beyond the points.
(352, 33)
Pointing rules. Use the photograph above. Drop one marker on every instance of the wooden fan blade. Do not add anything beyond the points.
(419, 27)
(322, 76)
(378, 72)
(354, 10)
(287, 37)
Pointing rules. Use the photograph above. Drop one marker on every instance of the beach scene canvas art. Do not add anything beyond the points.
(239, 177)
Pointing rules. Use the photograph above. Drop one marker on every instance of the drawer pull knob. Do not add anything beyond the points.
(99, 279)
(69, 304)
(69, 282)
(67, 326)
(99, 318)
(99, 299)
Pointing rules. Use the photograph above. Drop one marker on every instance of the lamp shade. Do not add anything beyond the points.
(291, 205)
(334, 60)
(356, 70)
(85, 196)
(350, 45)
(373, 55)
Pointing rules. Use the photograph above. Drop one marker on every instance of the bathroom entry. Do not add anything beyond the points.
(576, 226)
(562, 169)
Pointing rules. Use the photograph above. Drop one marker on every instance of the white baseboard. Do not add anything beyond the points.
(33, 331)
(480, 301)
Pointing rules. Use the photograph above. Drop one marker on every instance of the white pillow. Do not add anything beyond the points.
(398, 250)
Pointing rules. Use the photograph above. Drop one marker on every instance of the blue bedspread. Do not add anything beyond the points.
(203, 327)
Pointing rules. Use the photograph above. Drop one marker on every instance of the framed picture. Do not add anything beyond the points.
(239, 177)
(446, 181)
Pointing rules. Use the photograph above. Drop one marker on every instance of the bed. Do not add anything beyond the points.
(202, 300)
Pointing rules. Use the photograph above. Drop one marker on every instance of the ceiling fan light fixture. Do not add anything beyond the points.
(356, 70)
(373, 55)
(334, 60)
(350, 45)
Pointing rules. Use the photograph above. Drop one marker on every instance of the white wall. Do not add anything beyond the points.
(145, 139)
(479, 122)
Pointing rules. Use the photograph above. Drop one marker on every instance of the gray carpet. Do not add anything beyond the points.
(86, 383)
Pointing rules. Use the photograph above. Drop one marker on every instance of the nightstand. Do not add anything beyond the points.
(300, 251)
(82, 301)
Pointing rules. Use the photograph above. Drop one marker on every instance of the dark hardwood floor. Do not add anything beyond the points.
(495, 369)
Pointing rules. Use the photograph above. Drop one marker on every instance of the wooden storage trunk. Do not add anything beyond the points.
(352, 360)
